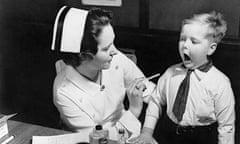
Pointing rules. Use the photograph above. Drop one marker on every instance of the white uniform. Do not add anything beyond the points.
(210, 99)
(82, 104)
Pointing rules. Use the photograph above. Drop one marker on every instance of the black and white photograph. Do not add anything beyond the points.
(119, 72)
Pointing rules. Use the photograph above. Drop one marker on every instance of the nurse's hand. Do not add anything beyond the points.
(143, 139)
(134, 93)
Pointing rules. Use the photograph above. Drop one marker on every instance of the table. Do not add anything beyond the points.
(23, 132)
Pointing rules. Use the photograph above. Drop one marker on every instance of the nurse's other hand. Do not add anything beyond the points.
(134, 93)
(143, 139)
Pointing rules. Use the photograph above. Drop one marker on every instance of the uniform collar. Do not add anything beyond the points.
(80, 81)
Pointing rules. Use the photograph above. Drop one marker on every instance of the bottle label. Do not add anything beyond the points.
(103, 141)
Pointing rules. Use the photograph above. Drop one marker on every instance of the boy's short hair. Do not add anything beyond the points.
(215, 21)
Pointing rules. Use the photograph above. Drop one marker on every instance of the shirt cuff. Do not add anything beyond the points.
(150, 121)
(131, 123)
(226, 134)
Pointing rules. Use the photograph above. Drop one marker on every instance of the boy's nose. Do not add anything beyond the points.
(187, 44)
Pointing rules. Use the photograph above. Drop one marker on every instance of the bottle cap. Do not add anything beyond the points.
(98, 127)
(121, 131)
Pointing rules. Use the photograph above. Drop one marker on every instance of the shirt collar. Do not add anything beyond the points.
(204, 67)
(200, 72)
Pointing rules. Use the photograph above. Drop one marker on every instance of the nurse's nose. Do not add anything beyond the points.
(113, 50)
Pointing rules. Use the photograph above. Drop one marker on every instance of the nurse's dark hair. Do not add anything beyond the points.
(96, 19)
(215, 21)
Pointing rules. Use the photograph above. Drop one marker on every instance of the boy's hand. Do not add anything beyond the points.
(143, 139)
(134, 93)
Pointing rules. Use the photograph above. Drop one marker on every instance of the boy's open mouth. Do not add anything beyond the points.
(186, 57)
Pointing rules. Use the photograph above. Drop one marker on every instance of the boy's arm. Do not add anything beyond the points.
(152, 115)
(224, 107)
(154, 109)
(153, 112)
(146, 136)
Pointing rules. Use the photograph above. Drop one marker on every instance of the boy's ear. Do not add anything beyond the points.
(212, 49)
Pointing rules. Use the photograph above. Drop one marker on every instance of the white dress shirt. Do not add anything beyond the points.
(83, 104)
(210, 99)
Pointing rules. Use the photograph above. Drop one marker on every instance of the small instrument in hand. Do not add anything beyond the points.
(153, 76)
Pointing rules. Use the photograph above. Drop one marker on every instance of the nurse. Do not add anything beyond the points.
(94, 77)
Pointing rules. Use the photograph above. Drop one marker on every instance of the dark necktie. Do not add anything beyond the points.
(182, 94)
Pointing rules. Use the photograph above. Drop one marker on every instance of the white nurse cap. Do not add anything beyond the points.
(69, 29)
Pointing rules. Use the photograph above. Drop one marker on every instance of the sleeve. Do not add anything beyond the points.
(131, 123)
(70, 112)
(122, 119)
(225, 113)
(157, 100)
(130, 69)
(128, 122)
(81, 122)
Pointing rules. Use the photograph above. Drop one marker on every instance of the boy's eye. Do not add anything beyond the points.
(194, 41)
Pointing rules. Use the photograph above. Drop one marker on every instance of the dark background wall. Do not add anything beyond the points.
(148, 26)
(167, 15)
(26, 66)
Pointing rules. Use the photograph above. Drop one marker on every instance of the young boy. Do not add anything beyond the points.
(199, 98)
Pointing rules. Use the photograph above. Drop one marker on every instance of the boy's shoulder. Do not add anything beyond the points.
(217, 74)
(216, 81)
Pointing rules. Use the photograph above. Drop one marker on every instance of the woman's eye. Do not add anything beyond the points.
(105, 49)
(182, 39)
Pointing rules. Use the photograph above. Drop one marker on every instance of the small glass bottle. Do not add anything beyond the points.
(99, 135)
(122, 138)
